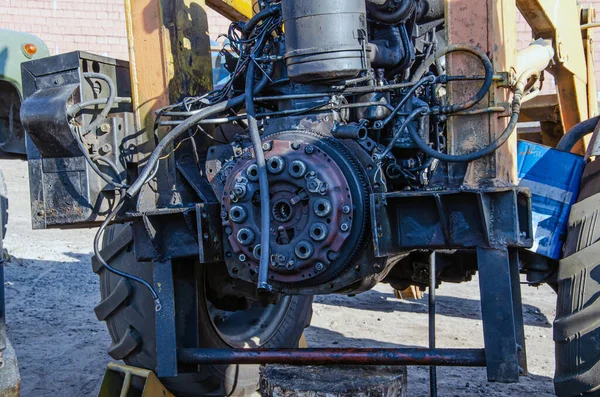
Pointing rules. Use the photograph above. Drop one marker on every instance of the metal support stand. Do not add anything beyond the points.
(518, 310)
(166, 341)
(432, 286)
(497, 311)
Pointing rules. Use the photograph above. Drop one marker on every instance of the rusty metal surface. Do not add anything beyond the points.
(169, 51)
(484, 24)
(409, 356)
(311, 210)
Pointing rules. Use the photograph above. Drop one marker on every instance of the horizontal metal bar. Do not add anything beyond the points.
(425, 357)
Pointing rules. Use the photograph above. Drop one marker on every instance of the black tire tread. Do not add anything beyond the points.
(128, 310)
(577, 324)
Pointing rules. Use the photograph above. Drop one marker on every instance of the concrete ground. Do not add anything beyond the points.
(51, 292)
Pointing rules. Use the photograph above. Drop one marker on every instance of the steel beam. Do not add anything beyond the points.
(497, 312)
(491, 26)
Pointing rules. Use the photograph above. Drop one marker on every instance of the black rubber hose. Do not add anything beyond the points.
(112, 94)
(248, 27)
(491, 148)
(263, 181)
(577, 133)
(182, 128)
(401, 14)
(485, 87)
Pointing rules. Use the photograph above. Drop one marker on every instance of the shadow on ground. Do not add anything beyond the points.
(446, 306)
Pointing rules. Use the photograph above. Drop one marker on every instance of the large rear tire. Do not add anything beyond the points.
(577, 324)
(128, 309)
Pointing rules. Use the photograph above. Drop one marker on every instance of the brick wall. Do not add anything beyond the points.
(98, 26)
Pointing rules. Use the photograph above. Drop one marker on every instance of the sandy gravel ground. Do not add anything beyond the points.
(51, 292)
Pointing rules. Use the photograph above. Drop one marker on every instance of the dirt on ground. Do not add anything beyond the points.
(51, 292)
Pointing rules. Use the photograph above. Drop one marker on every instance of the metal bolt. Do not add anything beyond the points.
(290, 265)
(41, 213)
(346, 209)
(242, 258)
(267, 146)
(296, 145)
(298, 169)
(309, 149)
(304, 249)
(344, 227)
(252, 173)
(238, 214)
(276, 165)
(106, 148)
(322, 207)
(319, 267)
(245, 236)
(105, 128)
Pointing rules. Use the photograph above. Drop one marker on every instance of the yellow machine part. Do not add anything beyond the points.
(117, 382)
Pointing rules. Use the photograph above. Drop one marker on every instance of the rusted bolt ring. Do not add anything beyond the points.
(322, 207)
(298, 169)
(245, 236)
(319, 231)
(275, 165)
(304, 249)
(238, 214)
(252, 173)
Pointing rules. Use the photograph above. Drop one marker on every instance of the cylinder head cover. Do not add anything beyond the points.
(325, 39)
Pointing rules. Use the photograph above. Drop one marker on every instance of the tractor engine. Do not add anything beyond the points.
(332, 133)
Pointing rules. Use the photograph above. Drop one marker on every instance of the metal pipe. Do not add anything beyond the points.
(408, 356)
(432, 285)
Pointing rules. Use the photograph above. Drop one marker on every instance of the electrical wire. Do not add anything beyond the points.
(112, 94)
(98, 254)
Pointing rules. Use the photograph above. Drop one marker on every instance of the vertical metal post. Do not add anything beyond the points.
(432, 286)
(518, 309)
(491, 26)
(166, 341)
(497, 312)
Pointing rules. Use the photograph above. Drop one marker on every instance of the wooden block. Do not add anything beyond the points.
(343, 381)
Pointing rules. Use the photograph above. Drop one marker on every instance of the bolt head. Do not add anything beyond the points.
(105, 127)
(242, 258)
(309, 149)
(267, 146)
(296, 145)
(319, 267)
(344, 227)
(346, 209)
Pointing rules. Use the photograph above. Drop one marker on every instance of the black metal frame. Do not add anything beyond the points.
(456, 219)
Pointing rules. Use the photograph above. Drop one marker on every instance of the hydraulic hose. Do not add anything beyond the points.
(487, 82)
(399, 15)
(182, 128)
(263, 181)
(499, 142)
(112, 94)
(577, 133)
(256, 19)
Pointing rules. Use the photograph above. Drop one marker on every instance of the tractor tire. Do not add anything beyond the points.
(577, 324)
(129, 312)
